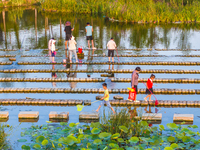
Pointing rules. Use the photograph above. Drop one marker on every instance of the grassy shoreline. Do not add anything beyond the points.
(142, 11)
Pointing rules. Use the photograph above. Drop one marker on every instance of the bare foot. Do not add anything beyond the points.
(145, 99)
(97, 110)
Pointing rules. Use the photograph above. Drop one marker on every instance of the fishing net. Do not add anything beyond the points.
(79, 107)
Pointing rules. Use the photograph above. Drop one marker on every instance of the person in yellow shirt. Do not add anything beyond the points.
(105, 99)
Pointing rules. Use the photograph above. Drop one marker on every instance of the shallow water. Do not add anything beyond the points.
(22, 30)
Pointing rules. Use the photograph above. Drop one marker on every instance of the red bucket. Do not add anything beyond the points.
(80, 50)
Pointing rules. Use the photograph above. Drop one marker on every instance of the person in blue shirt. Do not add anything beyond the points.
(89, 30)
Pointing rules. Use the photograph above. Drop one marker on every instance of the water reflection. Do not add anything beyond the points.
(72, 74)
(40, 26)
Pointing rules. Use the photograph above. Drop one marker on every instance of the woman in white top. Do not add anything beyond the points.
(111, 47)
(72, 48)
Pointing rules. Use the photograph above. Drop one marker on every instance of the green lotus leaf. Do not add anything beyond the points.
(130, 148)
(179, 135)
(171, 139)
(123, 128)
(168, 148)
(155, 142)
(71, 140)
(39, 139)
(95, 131)
(191, 133)
(115, 136)
(120, 140)
(105, 135)
(63, 123)
(48, 121)
(144, 124)
(81, 136)
(184, 130)
(97, 142)
(134, 140)
(60, 145)
(37, 146)
(172, 126)
(72, 125)
(24, 147)
(22, 140)
(113, 145)
(95, 125)
(174, 145)
(161, 127)
(45, 142)
(186, 139)
(194, 126)
(33, 135)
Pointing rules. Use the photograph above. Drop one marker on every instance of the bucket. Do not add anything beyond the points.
(80, 50)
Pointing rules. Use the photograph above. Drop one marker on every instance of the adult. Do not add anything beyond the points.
(111, 47)
(68, 32)
(134, 79)
(72, 48)
(89, 30)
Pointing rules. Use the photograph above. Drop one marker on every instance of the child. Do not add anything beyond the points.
(149, 89)
(105, 98)
(72, 48)
(52, 48)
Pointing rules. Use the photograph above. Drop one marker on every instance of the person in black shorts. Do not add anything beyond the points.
(68, 32)
(111, 47)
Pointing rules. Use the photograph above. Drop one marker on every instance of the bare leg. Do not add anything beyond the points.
(88, 44)
(150, 97)
(112, 59)
(146, 97)
(108, 58)
(66, 54)
(66, 44)
(53, 59)
(112, 110)
(98, 108)
(92, 44)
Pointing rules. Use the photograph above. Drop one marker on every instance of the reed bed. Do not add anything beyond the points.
(142, 11)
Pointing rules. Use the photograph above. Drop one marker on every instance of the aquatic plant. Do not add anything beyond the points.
(4, 133)
(95, 136)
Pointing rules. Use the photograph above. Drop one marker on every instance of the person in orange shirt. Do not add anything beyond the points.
(149, 85)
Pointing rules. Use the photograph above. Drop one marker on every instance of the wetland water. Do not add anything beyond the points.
(32, 28)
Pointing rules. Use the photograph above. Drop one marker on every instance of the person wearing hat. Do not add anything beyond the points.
(68, 33)
(111, 47)
(89, 30)
(134, 79)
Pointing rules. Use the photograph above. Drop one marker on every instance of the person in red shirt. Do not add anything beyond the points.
(149, 86)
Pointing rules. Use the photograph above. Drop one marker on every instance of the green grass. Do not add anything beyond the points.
(142, 11)
(131, 10)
